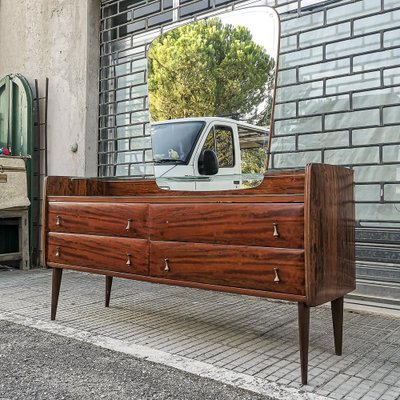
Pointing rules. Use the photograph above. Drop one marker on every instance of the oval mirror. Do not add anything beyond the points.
(211, 95)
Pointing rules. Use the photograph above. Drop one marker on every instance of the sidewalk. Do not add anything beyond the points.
(245, 341)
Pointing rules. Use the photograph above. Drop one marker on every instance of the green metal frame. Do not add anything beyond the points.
(17, 128)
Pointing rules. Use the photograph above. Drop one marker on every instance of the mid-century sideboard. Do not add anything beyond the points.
(291, 238)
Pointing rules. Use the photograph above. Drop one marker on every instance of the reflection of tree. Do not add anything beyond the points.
(208, 69)
(224, 143)
(220, 140)
(253, 160)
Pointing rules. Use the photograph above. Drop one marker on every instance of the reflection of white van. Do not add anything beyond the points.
(207, 153)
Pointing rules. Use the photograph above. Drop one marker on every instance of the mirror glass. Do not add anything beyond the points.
(211, 94)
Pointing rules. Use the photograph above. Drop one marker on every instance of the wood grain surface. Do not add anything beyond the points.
(189, 284)
(98, 218)
(268, 198)
(234, 217)
(273, 183)
(240, 224)
(100, 252)
(237, 266)
(330, 233)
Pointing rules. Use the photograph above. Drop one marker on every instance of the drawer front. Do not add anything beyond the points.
(99, 252)
(275, 225)
(116, 219)
(278, 270)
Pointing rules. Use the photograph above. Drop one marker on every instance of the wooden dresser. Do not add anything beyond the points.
(291, 238)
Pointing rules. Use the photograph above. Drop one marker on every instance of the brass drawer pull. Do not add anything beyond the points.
(276, 233)
(276, 279)
(128, 227)
(128, 262)
(166, 267)
(58, 252)
(58, 220)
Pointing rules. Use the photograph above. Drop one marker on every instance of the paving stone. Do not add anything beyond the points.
(391, 394)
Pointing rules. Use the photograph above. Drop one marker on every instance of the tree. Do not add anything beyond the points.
(207, 68)
(253, 160)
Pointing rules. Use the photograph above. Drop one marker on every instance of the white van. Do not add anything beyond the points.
(208, 153)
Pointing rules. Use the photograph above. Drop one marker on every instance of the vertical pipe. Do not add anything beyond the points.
(36, 167)
(46, 100)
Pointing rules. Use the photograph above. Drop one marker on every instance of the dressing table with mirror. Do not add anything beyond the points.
(213, 218)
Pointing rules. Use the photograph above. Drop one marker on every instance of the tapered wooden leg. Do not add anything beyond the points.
(109, 280)
(304, 333)
(55, 291)
(337, 318)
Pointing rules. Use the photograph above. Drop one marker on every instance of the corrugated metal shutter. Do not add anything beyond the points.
(337, 102)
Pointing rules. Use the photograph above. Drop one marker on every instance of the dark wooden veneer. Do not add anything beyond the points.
(329, 233)
(291, 238)
(237, 266)
(274, 183)
(233, 223)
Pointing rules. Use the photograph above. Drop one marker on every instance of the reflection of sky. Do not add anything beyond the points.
(263, 24)
(260, 21)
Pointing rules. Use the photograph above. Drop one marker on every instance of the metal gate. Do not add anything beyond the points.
(337, 102)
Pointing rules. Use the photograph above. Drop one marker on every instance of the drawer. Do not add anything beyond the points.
(99, 252)
(272, 269)
(116, 219)
(255, 224)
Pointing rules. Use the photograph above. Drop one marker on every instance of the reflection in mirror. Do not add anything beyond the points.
(211, 89)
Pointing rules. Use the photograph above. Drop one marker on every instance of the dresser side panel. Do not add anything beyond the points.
(329, 233)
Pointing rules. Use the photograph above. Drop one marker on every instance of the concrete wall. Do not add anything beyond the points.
(58, 39)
